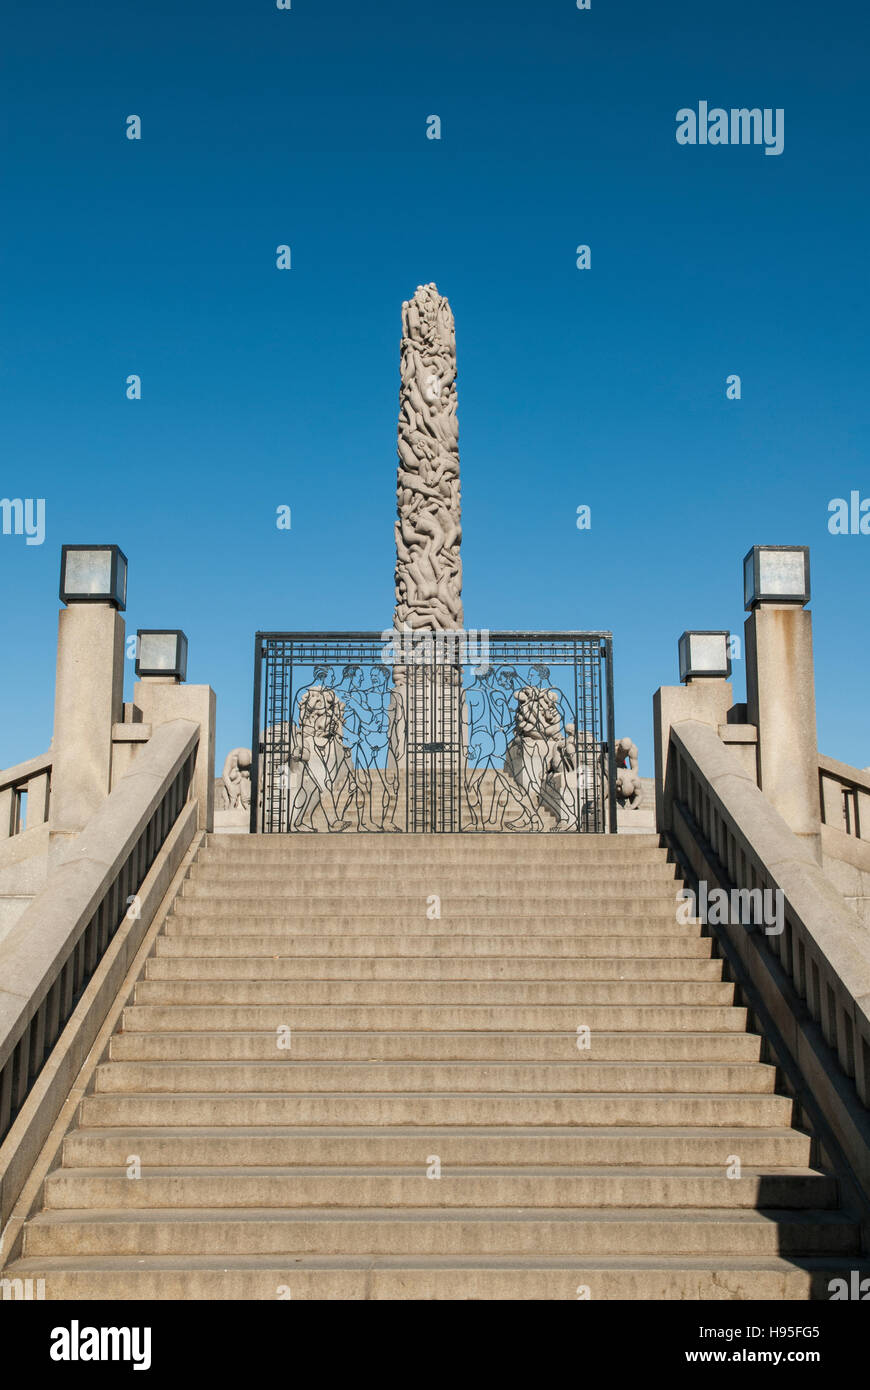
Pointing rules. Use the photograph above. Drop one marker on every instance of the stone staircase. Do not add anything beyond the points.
(271, 1171)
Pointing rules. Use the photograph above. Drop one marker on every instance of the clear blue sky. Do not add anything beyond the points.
(262, 387)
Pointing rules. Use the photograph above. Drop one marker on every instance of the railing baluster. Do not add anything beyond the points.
(862, 1070)
(67, 990)
(846, 1040)
(37, 1040)
(21, 1069)
(6, 1096)
(814, 991)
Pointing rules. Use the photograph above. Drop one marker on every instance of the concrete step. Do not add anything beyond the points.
(365, 848)
(433, 993)
(435, 1047)
(510, 868)
(474, 878)
(384, 853)
(407, 1278)
(264, 1168)
(191, 918)
(410, 969)
(419, 1231)
(274, 902)
(286, 1076)
(375, 1108)
(651, 1145)
(183, 945)
(79, 1189)
(466, 870)
(371, 1018)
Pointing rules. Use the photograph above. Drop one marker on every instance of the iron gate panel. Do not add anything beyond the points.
(432, 734)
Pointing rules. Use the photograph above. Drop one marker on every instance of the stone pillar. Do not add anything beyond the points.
(161, 698)
(89, 696)
(428, 504)
(707, 700)
(428, 527)
(781, 702)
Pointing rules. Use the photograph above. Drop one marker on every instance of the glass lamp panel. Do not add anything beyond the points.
(88, 572)
(158, 651)
(707, 651)
(781, 572)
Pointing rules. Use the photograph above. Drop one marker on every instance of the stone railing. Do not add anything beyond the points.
(30, 780)
(115, 872)
(809, 981)
(844, 795)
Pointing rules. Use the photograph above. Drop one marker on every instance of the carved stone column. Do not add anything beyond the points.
(428, 526)
(428, 537)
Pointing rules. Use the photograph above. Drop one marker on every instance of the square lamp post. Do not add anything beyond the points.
(776, 574)
(161, 652)
(93, 574)
(704, 655)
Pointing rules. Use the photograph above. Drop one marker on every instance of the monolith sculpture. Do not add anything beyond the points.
(426, 723)
(428, 526)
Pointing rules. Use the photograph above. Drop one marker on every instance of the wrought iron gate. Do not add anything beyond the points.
(433, 732)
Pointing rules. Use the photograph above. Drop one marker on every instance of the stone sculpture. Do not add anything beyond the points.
(551, 766)
(428, 529)
(570, 784)
(235, 792)
(533, 754)
(629, 791)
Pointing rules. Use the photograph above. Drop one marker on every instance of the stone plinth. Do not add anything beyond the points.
(707, 701)
(159, 701)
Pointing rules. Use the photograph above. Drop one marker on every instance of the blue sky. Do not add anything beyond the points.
(262, 387)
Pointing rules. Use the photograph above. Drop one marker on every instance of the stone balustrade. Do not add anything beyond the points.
(25, 791)
(115, 875)
(844, 796)
(811, 979)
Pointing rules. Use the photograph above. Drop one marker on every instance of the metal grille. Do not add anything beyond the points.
(511, 734)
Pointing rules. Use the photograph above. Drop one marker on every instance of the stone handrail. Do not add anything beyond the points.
(52, 951)
(813, 976)
(32, 777)
(844, 796)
